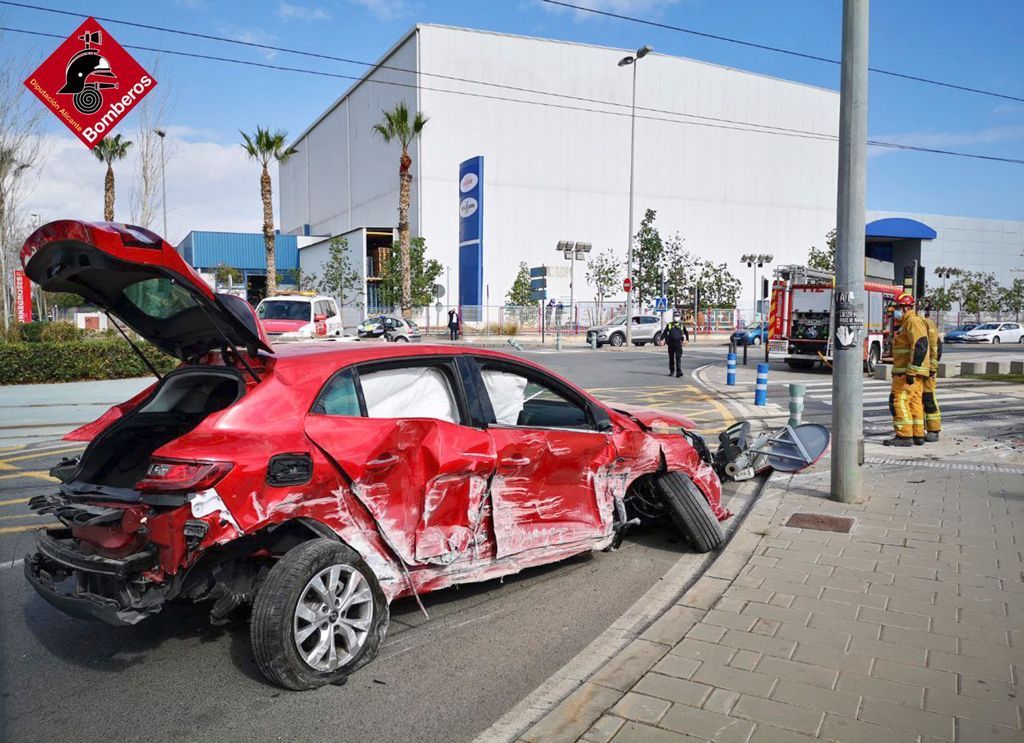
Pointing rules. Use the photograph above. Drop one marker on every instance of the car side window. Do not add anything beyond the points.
(329, 309)
(409, 392)
(648, 320)
(339, 396)
(518, 400)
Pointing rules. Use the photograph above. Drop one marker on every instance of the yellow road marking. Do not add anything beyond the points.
(38, 474)
(30, 527)
(20, 516)
(34, 455)
(13, 502)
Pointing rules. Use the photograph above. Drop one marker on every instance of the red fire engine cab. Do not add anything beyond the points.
(800, 318)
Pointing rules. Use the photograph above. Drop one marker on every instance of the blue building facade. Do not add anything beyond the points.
(244, 251)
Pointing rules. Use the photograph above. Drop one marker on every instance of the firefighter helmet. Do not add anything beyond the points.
(87, 63)
(905, 299)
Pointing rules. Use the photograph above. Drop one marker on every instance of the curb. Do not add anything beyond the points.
(565, 706)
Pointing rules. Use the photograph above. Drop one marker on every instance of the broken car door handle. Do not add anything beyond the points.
(382, 463)
(515, 461)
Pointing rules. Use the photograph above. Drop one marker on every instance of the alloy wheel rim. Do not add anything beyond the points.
(333, 617)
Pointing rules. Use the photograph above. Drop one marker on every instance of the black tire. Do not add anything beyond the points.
(657, 338)
(617, 340)
(995, 340)
(273, 611)
(401, 339)
(690, 512)
(757, 340)
(874, 356)
(800, 364)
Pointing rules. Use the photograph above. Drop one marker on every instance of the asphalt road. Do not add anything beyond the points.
(174, 677)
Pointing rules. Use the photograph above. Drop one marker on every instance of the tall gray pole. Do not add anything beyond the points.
(163, 186)
(847, 363)
(629, 249)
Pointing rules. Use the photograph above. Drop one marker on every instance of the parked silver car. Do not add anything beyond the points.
(398, 329)
(646, 329)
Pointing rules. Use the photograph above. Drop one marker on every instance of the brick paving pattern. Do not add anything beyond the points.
(909, 628)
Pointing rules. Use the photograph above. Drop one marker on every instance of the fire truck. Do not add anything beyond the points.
(800, 318)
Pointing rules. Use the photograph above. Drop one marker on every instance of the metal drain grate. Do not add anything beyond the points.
(820, 522)
(966, 467)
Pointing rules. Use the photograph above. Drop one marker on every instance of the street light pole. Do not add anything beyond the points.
(756, 261)
(848, 358)
(163, 178)
(631, 60)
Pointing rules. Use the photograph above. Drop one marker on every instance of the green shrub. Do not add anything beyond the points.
(25, 332)
(33, 363)
(60, 332)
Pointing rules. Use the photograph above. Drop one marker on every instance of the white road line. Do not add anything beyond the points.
(8, 564)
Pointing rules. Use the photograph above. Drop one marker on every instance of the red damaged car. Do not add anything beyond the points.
(319, 482)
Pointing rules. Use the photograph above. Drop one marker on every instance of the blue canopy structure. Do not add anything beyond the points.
(899, 228)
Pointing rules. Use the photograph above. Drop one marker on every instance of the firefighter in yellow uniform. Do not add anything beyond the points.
(932, 414)
(911, 367)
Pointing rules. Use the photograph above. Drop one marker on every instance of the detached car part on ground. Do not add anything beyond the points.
(321, 482)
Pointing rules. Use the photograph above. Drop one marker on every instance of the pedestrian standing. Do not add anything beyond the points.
(453, 325)
(932, 414)
(675, 333)
(911, 367)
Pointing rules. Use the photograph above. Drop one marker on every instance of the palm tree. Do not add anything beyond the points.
(264, 146)
(396, 125)
(108, 150)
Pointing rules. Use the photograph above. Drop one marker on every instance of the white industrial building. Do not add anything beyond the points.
(734, 162)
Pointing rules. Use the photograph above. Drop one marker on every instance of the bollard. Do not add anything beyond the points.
(730, 369)
(796, 403)
(558, 338)
(745, 353)
(593, 342)
(761, 388)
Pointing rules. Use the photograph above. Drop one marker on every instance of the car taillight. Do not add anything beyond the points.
(168, 476)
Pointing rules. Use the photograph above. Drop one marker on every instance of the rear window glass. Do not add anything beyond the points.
(160, 298)
(340, 397)
(281, 309)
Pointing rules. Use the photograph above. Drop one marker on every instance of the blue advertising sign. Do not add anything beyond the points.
(471, 233)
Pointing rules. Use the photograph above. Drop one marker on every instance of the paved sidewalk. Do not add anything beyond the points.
(908, 628)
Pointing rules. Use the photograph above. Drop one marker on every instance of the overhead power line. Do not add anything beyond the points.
(780, 50)
(742, 126)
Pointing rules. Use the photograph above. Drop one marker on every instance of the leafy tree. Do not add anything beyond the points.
(303, 281)
(397, 126)
(648, 256)
(682, 270)
(976, 292)
(939, 298)
(824, 259)
(517, 300)
(263, 147)
(718, 287)
(339, 279)
(109, 150)
(1011, 298)
(66, 300)
(421, 276)
(604, 273)
(225, 274)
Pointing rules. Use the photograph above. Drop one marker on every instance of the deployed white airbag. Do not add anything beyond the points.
(507, 393)
(416, 392)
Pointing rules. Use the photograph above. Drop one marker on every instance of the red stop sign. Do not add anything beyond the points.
(627, 285)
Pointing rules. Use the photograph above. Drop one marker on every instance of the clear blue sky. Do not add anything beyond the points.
(972, 43)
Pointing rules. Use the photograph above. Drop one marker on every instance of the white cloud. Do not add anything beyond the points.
(641, 8)
(210, 186)
(385, 10)
(946, 140)
(291, 12)
(251, 36)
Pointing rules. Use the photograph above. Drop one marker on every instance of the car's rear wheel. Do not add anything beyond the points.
(690, 511)
(617, 340)
(657, 339)
(319, 615)
(401, 339)
(757, 340)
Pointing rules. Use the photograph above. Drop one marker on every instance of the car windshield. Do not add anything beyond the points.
(987, 326)
(962, 328)
(754, 326)
(280, 309)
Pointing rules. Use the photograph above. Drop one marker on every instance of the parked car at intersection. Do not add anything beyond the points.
(320, 482)
(959, 333)
(753, 334)
(299, 316)
(646, 329)
(996, 332)
(398, 329)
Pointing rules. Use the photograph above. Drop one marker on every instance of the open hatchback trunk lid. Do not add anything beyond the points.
(143, 282)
